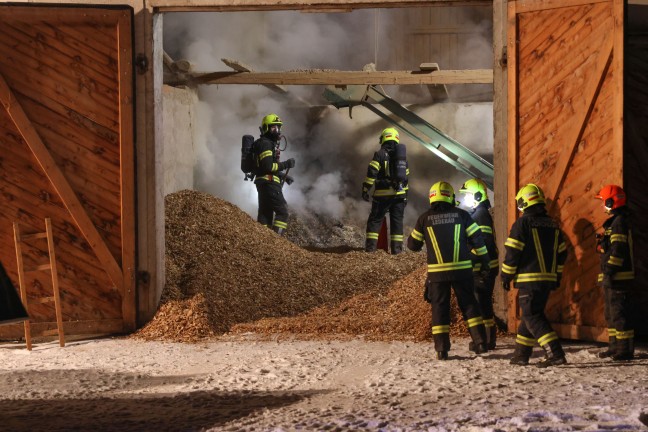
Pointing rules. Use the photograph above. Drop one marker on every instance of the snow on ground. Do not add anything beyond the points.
(250, 385)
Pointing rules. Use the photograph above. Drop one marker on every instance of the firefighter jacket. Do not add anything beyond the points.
(449, 234)
(267, 167)
(484, 220)
(535, 251)
(379, 174)
(616, 247)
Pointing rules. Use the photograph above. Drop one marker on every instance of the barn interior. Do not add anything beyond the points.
(202, 79)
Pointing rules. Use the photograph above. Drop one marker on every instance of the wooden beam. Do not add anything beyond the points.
(322, 77)
(127, 164)
(60, 183)
(242, 67)
(524, 6)
(311, 5)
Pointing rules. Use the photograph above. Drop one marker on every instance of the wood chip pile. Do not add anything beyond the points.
(228, 276)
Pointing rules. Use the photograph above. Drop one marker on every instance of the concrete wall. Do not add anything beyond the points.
(179, 121)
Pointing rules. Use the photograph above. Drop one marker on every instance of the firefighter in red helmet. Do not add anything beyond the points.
(617, 273)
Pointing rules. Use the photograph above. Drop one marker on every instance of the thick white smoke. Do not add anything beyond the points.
(332, 150)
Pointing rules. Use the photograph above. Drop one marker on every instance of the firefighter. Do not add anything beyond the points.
(449, 234)
(270, 175)
(389, 195)
(535, 255)
(617, 273)
(477, 197)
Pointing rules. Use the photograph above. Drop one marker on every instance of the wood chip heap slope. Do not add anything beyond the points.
(223, 269)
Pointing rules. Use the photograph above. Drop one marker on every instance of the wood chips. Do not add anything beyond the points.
(228, 275)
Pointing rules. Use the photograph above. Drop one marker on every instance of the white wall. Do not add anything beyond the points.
(179, 122)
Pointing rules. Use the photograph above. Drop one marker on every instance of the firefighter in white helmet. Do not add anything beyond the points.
(477, 196)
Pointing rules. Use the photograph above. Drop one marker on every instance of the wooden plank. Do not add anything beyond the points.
(502, 200)
(82, 327)
(524, 6)
(61, 15)
(55, 282)
(566, 59)
(68, 96)
(512, 159)
(53, 51)
(311, 5)
(60, 183)
(21, 173)
(315, 77)
(616, 163)
(89, 97)
(38, 209)
(127, 191)
(21, 284)
(90, 136)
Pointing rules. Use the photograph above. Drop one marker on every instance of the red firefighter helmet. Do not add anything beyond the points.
(613, 197)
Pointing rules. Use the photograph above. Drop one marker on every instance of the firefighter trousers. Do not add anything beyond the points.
(272, 206)
(484, 293)
(438, 294)
(534, 325)
(379, 208)
(618, 308)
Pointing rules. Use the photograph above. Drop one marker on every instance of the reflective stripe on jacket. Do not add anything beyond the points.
(616, 246)
(449, 233)
(265, 158)
(379, 174)
(535, 250)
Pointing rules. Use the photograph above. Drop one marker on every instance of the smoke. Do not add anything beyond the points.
(332, 150)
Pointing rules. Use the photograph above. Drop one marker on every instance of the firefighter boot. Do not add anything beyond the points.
(441, 345)
(396, 247)
(624, 349)
(371, 245)
(478, 335)
(611, 349)
(521, 355)
(554, 355)
(491, 333)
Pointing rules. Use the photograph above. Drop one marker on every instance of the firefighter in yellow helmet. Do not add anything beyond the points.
(388, 175)
(617, 273)
(449, 234)
(477, 196)
(535, 255)
(270, 175)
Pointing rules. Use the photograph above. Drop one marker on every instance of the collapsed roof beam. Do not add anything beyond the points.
(432, 138)
(340, 78)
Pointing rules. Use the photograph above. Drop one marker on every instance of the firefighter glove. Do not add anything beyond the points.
(607, 281)
(506, 284)
(484, 269)
(365, 195)
(288, 179)
(290, 163)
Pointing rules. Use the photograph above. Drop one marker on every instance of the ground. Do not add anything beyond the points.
(284, 385)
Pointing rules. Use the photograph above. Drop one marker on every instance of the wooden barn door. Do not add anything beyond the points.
(565, 110)
(66, 140)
